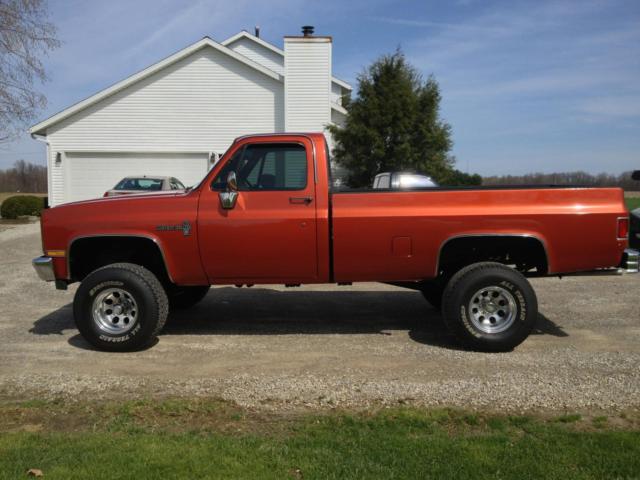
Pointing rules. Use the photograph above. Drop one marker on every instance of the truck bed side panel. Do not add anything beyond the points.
(398, 235)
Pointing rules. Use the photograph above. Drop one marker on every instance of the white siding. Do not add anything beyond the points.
(273, 60)
(337, 118)
(307, 83)
(259, 54)
(56, 174)
(336, 94)
(199, 104)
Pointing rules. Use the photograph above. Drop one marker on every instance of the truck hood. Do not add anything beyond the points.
(127, 197)
(138, 215)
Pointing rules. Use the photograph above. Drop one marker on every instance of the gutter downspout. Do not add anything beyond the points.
(43, 139)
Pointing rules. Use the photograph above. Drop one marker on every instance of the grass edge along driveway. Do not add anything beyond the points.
(212, 439)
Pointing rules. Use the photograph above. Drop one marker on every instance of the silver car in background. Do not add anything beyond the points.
(402, 180)
(143, 183)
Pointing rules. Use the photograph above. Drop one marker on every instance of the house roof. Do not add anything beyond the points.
(136, 77)
(40, 128)
(273, 48)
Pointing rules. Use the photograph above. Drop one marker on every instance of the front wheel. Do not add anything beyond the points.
(120, 307)
(490, 307)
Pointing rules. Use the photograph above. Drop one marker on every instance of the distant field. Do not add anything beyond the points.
(632, 199)
(632, 202)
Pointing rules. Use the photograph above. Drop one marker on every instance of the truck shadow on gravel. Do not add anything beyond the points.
(262, 311)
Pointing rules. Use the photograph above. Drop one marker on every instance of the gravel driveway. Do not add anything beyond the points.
(325, 346)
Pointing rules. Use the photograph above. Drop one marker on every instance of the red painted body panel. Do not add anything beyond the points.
(131, 215)
(264, 237)
(377, 236)
(576, 226)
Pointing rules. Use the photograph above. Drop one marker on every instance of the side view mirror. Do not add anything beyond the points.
(229, 197)
(636, 175)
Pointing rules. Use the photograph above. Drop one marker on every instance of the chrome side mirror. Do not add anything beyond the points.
(229, 197)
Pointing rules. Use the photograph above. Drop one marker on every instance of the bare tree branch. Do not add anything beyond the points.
(24, 177)
(26, 35)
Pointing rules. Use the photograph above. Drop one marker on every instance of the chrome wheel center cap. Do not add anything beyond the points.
(115, 311)
(490, 307)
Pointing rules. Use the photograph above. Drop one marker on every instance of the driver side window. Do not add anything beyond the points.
(264, 167)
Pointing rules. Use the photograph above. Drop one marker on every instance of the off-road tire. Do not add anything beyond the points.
(181, 298)
(149, 297)
(457, 306)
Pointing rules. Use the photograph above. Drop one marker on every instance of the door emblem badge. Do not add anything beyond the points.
(184, 226)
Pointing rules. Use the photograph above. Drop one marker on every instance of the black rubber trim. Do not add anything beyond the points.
(475, 187)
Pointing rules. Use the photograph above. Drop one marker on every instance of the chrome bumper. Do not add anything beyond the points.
(44, 268)
(628, 265)
(630, 261)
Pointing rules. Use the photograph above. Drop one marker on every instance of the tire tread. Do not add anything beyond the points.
(452, 321)
(156, 289)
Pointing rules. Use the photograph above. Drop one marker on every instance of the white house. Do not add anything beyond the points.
(175, 116)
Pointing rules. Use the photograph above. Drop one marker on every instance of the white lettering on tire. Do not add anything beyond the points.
(100, 286)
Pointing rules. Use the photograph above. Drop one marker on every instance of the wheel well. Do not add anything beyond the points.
(526, 254)
(88, 254)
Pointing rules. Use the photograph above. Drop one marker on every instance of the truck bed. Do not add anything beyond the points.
(385, 235)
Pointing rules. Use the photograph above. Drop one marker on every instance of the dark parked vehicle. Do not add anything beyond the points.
(143, 184)
(634, 223)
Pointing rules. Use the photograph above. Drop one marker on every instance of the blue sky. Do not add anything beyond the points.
(527, 86)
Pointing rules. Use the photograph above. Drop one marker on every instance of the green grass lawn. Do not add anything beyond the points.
(632, 202)
(203, 439)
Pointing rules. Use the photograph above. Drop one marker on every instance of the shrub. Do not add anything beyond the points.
(21, 205)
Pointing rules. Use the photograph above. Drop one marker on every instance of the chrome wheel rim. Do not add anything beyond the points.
(492, 309)
(115, 311)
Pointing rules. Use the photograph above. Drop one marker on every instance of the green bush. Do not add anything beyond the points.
(21, 205)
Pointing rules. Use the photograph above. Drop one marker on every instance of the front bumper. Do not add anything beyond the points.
(44, 268)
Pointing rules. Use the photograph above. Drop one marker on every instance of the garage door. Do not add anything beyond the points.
(89, 175)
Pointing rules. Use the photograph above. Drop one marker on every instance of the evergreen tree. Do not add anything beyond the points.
(393, 124)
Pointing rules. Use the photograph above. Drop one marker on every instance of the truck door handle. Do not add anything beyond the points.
(300, 200)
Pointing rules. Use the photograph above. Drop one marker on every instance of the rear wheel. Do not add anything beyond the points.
(120, 307)
(490, 307)
(185, 297)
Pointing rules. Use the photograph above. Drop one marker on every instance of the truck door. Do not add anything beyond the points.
(268, 234)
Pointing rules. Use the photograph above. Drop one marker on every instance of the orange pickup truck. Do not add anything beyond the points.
(266, 213)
